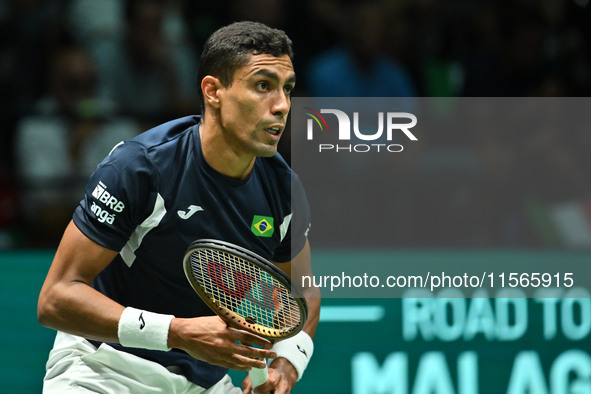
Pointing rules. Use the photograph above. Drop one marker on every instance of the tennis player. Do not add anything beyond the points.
(127, 319)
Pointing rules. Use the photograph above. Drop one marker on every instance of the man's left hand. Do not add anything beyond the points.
(282, 377)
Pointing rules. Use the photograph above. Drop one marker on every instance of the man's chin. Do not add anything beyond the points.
(266, 151)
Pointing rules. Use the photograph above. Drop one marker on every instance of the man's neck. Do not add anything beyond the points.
(220, 155)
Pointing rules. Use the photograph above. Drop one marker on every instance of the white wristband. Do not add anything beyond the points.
(297, 350)
(144, 329)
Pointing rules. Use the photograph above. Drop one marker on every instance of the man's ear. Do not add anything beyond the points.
(210, 86)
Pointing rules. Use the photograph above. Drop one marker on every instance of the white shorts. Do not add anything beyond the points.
(76, 366)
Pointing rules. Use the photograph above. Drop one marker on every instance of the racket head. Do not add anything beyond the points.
(244, 289)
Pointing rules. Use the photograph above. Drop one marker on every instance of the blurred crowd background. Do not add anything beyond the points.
(78, 76)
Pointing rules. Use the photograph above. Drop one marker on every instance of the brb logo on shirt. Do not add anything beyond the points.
(375, 141)
(110, 202)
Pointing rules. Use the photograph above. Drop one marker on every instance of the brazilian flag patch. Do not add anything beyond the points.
(262, 226)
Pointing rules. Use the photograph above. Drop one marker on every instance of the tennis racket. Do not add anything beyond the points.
(246, 291)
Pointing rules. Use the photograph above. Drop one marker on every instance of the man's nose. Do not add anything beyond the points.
(281, 104)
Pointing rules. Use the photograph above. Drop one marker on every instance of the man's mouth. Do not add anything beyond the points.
(276, 130)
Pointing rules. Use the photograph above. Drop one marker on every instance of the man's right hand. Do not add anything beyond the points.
(210, 339)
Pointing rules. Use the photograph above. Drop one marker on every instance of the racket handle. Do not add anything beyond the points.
(258, 376)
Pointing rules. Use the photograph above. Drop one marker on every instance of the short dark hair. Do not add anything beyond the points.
(230, 47)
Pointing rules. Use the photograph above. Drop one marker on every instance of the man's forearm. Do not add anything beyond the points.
(78, 309)
(312, 296)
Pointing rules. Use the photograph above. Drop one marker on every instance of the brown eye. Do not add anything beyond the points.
(262, 85)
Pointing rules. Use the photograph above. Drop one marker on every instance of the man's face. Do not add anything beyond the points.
(254, 107)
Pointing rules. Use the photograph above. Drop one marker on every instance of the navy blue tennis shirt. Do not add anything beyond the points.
(154, 195)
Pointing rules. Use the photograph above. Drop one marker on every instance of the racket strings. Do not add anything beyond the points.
(245, 289)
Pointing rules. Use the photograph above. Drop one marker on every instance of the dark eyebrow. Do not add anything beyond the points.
(274, 76)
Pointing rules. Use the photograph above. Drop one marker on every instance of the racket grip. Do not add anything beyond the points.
(258, 376)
